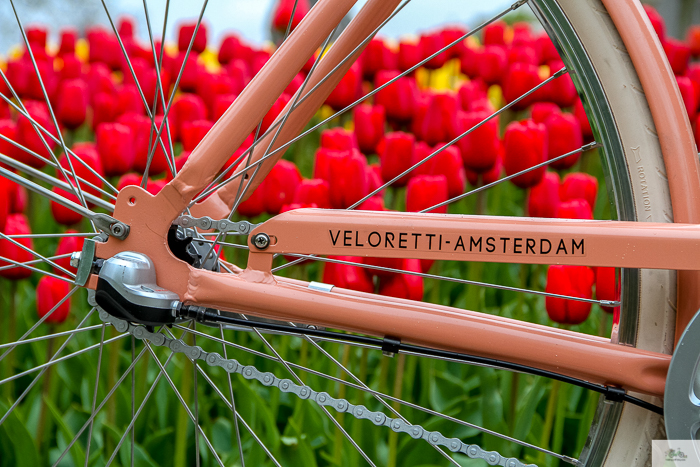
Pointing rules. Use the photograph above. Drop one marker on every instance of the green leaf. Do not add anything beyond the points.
(14, 435)
(76, 450)
(525, 414)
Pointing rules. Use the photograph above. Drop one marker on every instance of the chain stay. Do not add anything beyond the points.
(305, 392)
(207, 223)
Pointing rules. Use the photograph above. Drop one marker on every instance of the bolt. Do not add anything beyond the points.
(261, 241)
(119, 230)
(75, 259)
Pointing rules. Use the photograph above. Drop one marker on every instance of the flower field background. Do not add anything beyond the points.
(101, 117)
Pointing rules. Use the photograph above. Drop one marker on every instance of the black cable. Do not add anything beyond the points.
(611, 393)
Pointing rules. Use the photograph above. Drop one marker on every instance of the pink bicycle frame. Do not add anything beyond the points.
(257, 292)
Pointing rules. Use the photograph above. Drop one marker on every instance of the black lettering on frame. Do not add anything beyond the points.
(562, 246)
(549, 246)
(490, 246)
(379, 239)
(530, 245)
(430, 240)
(346, 238)
(357, 242)
(402, 240)
(575, 246)
(460, 243)
(505, 240)
(334, 240)
(387, 241)
(474, 244)
(517, 246)
(415, 236)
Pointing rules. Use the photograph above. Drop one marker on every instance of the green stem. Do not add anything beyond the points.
(338, 448)
(113, 364)
(181, 441)
(43, 424)
(11, 337)
(398, 385)
(549, 417)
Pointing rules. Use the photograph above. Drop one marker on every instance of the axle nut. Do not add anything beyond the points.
(75, 259)
(261, 241)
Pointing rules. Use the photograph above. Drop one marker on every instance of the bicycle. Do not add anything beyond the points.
(139, 275)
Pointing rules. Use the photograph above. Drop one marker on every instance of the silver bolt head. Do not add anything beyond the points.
(75, 259)
(261, 241)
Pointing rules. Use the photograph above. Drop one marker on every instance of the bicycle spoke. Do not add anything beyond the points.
(33, 269)
(133, 397)
(34, 261)
(233, 401)
(196, 396)
(94, 393)
(41, 257)
(184, 405)
(51, 336)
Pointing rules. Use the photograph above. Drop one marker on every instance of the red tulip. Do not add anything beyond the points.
(573, 281)
(348, 89)
(377, 56)
(347, 276)
(18, 73)
(607, 286)
(104, 47)
(127, 180)
(486, 177)
(104, 109)
(543, 200)
(369, 126)
(239, 72)
(280, 185)
(4, 111)
(18, 199)
(69, 36)
(255, 204)
(439, 124)
(546, 49)
(449, 163)
(374, 178)
(210, 85)
(451, 34)
(657, 21)
(685, 85)
(561, 91)
(348, 181)
(495, 33)
(8, 129)
(282, 14)
(523, 54)
(429, 44)
(522, 34)
(693, 39)
(190, 72)
(72, 103)
(193, 132)
(582, 118)
(229, 49)
(68, 245)
(115, 144)
(126, 27)
(87, 153)
(678, 55)
(338, 139)
(322, 159)
(295, 84)
(525, 146)
(405, 286)
(49, 78)
(313, 191)
(27, 136)
(409, 55)
(221, 104)
(575, 209)
(62, 214)
(154, 186)
(100, 80)
(579, 185)
(129, 100)
(185, 33)
(469, 61)
(187, 108)
(541, 110)
(471, 92)
(17, 224)
(274, 112)
(375, 203)
(141, 130)
(49, 293)
(396, 153)
(493, 63)
(398, 99)
(72, 68)
(563, 136)
(520, 79)
(6, 189)
(425, 191)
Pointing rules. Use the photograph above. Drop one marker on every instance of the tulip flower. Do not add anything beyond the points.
(128, 180)
(398, 99)
(49, 78)
(693, 39)
(229, 48)
(657, 21)
(425, 191)
(520, 79)
(87, 153)
(260, 58)
(690, 99)
(99, 80)
(396, 153)
(240, 75)
(281, 185)
(129, 100)
(104, 109)
(469, 61)
(439, 125)
(369, 126)
(62, 214)
(255, 204)
(190, 72)
(579, 185)
(274, 112)
(495, 33)
(543, 199)
(525, 146)
(678, 54)
(377, 56)
(374, 178)
(154, 186)
(28, 137)
(546, 49)
(18, 72)
(561, 91)
(6, 189)
(607, 287)
(409, 55)
(338, 139)
(348, 276)
(295, 84)
(523, 54)
(185, 33)
(68, 245)
(580, 114)
(17, 224)
(522, 34)
(540, 111)
(126, 27)
(486, 177)
(405, 286)
(69, 36)
(471, 92)
(448, 162)
(221, 104)
(115, 144)
(8, 129)
(574, 209)
(322, 159)
(375, 203)
(451, 34)
(282, 14)
(573, 281)
(187, 108)
(18, 199)
(211, 85)
(193, 132)
(347, 90)
(313, 191)
(429, 44)
(348, 181)
(72, 69)
(563, 136)
(493, 64)
(72, 103)
(49, 292)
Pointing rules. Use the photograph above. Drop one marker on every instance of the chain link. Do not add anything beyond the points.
(305, 392)
(207, 223)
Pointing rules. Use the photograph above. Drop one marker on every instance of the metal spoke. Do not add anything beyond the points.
(41, 257)
(51, 336)
(196, 394)
(56, 235)
(52, 360)
(31, 268)
(133, 397)
(94, 394)
(35, 261)
(184, 405)
(233, 400)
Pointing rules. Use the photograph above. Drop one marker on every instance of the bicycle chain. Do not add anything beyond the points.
(206, 223)
(305, 392)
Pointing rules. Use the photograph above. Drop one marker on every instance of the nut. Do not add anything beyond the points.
(261, 241)
(75, 259)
